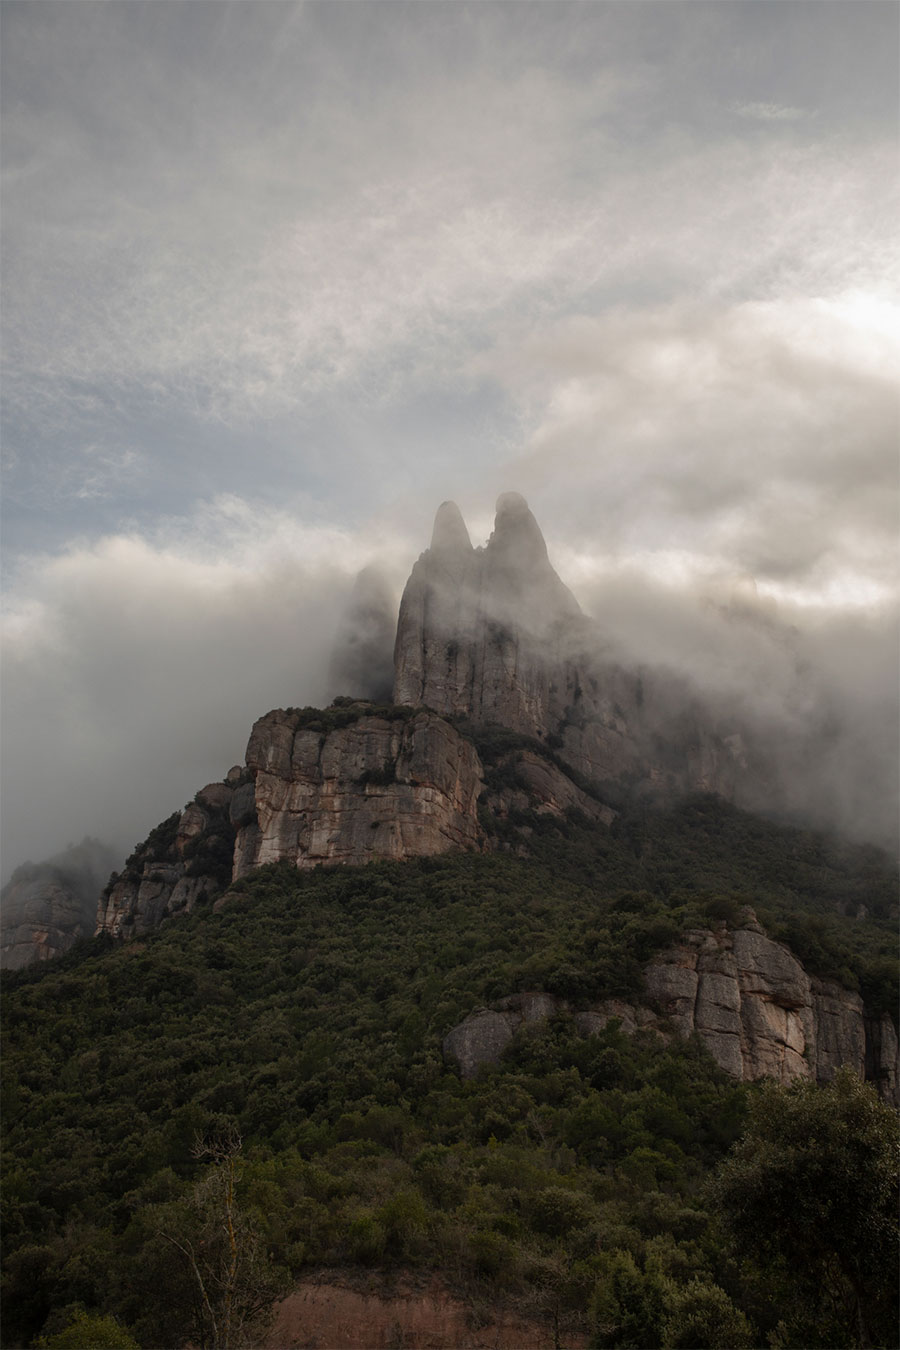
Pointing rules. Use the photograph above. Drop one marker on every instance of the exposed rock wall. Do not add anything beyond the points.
(755, 1008)
(380, 787)
(186, 859)
(480, 1040)
(748, 998)
(493, 634)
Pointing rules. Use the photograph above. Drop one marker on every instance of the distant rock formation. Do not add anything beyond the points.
(492, 634)
(48, 906)
(747, 997)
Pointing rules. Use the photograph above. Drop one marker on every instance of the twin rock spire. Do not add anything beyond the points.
(480, 629)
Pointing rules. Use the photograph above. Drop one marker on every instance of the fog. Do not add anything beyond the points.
(813, 691)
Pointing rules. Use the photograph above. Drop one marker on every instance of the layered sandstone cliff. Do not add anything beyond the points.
(748, 999)
(492, 634)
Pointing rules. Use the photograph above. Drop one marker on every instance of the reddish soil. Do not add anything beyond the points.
(323, 1313)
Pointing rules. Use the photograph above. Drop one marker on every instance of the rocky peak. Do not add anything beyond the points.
(450, 538)
(494, 635)
(517, 570)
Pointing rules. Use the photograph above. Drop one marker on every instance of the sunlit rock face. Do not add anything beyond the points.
(378, 787)
(492, 634)
(48, 906)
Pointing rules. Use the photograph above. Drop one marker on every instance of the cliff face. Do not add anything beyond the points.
(755, 1008)
(47, 906)
(492, 634)
(381, 786)
(750, 1001)
(185, 860)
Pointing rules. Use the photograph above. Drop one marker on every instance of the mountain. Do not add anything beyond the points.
(485, 638)
(449, 1003)
(296, 1029)
(505, 713)
(48, 906)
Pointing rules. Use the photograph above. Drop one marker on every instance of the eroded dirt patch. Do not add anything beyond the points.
(326, 1314)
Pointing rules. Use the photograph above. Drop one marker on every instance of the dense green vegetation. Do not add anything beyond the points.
(810, 1193)
(307, 1016)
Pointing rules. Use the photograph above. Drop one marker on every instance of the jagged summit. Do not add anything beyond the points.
(361, 664)
(494, 635)
(517, 535)
(518, 575)
(450, 535)
(479, 629)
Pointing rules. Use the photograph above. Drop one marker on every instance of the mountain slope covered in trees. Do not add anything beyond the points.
(305, 1016)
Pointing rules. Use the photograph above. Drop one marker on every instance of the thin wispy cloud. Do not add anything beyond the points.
(769, 112)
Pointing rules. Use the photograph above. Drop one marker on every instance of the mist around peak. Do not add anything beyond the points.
(136, 668)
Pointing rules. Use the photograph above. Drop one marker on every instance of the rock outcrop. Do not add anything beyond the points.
(186, 860)
(393, 784)
(538, 784)
(481, 1039)
(492, 634)
(748, 999)
(755, 1008)
(48, 906)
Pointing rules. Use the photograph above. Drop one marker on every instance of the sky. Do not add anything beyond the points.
(279, 278)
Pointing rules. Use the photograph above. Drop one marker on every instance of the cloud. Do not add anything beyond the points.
(769, 112)
(816, 689)
(757, 438)
(190, 234)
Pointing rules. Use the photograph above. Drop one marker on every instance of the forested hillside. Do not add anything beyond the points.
(291, 1037)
